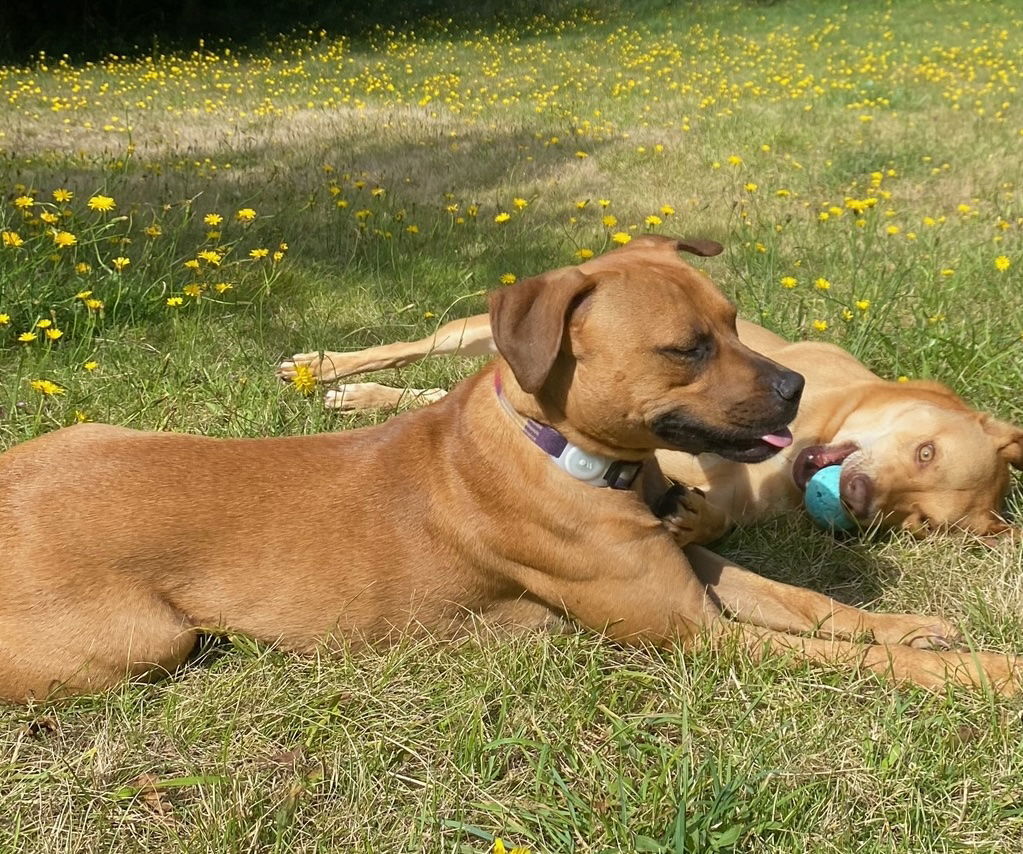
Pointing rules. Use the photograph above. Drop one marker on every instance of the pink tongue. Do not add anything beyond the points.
(779, 440)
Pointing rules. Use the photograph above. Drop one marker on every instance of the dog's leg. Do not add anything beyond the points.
(927, 668)
(751, 598)
(357, 397)
(464, 337)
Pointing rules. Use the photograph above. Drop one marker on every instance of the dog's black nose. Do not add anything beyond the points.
(788, 385)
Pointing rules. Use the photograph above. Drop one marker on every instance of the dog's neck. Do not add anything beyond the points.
(593, 468)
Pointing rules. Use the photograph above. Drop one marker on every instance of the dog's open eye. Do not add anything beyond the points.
(925, 453)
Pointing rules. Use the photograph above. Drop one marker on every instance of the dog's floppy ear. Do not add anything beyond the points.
(1008, 439)
(696, 245)
(528, 322)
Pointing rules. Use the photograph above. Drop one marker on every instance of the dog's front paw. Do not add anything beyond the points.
(690, 517)
(916, 630)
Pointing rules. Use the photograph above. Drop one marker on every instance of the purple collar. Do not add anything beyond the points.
(593, 469)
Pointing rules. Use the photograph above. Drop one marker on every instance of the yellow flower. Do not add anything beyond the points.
(82, 268)
(893, 229)
(27, 337)
(101, 203)
(62, 195)
(4, 319)
(90, 366)
(667, 210)
(377, 191)
(49, 218)
(903, 379)
(653, 220)
(847, 314)
(783, 193)
(45, 323)
(1002, 263)
(213, 219)
(581, 155)
(153, 230)
(583, 254)
(502, 217)
(11, 239)
(582, 203)
(735, 160)
(610, 221)
(259, 253)
(24, 202)
(80, 417)
(823, 216)
(750, 187)
(948, 271)
(788, 282)
(221, 287)
(604, 202)
(822, 284)
(279, 256)
(244, 215)
(192, 264)
(303, 380)
(519, 203)
(193, 290)
(498, 846)
(54, 334)
(428, 314)
(929, 221)
(412, 229)
(83, 295)
(820, 325)
(120, 262)
(508, 279)
(174, 302)
(211, 256)
(621, 237)
(94, 304)
(64, 239)
(45, 387)
(863, 304)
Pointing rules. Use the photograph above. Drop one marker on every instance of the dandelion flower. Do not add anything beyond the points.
(24, 202)
(412, 229)
(582, 155)
(604, 202)
(27, 337)
(508, 279)
(245, 215)
(863, 304)
(789, 282)
(583, 254)
(667, 210)
(120, 262)
(750, 187)
(83, 295)
(46, 388)
(582, 203)
(11, 239)
(101, 203)
(610, 221)
(4, 319)
(303, 380)
(192, 264)
(49, 218)
(90, 366)
(214, 219)
(222, 287)
(174, 302)
(1002, 263)
(822, 284)
(621, 237)
(502, 217)
(520, 203)
(211, 256)
(820, 325)
(82, 268)
(153, 230)
(62, 195)
(653, 220)
(735, 160)
(893, 229)
(64, 239)
(94, 304)
(54, 334)
(259, 253)
(193, 290)
(45, 323)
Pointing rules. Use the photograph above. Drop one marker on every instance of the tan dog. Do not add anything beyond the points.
(118, 546)
(915, 455)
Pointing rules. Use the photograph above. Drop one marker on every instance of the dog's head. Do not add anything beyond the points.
(636, 350)
(915, 456)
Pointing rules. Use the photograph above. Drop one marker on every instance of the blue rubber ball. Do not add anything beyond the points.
(823, 501)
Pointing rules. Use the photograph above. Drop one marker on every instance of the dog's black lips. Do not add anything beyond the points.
(813, 458)
(683, 433)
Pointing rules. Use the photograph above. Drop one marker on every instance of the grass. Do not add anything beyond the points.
(750, 123)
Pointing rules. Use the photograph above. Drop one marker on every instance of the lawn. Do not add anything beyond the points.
(173, 225)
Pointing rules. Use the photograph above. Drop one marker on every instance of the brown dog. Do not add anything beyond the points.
(117, 546)
(914, 454)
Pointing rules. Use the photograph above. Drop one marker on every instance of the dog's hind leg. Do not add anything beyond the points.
(464, 337)
(357, 397)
